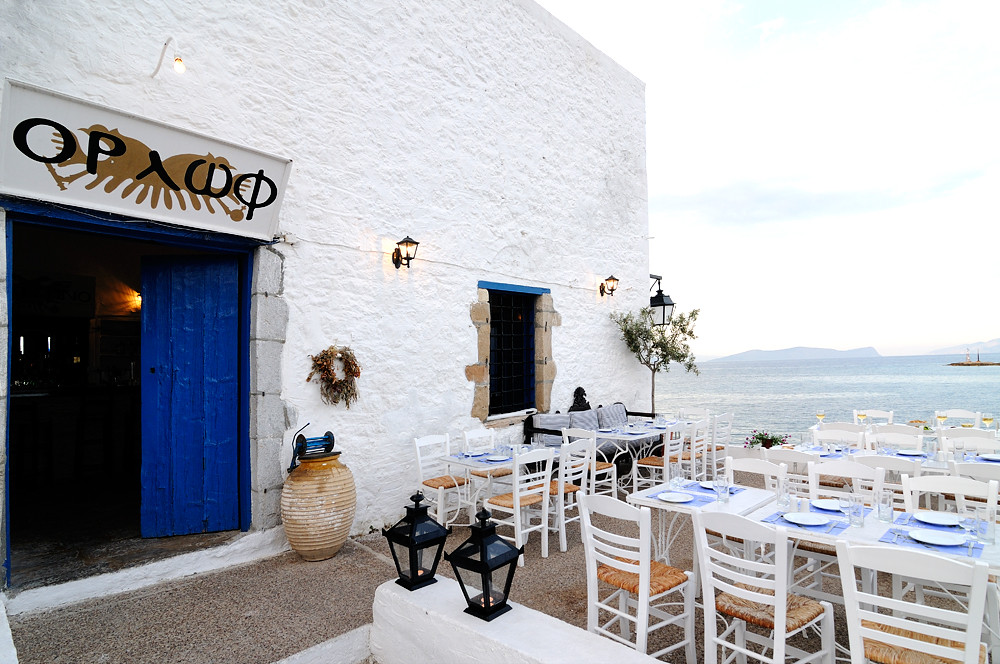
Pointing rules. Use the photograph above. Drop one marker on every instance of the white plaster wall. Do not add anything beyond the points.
(509, 147)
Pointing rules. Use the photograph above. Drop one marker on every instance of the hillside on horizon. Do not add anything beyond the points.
(992, 346)
(799, 353)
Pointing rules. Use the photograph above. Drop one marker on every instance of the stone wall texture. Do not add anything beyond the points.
(503, 142)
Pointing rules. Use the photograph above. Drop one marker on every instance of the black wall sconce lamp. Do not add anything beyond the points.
(609, 286)
(662, 305)
(405, 251)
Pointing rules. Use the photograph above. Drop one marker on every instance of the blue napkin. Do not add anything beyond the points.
(837, 527)
(694, 486)
(904, 539)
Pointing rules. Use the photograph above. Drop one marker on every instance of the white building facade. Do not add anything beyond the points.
(511, 149)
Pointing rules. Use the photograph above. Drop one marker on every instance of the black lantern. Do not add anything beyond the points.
(489, 561)
(405, 251)
(662, 305)
(609, 285)
(416, 543)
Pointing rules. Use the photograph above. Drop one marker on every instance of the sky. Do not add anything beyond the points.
(821, 174)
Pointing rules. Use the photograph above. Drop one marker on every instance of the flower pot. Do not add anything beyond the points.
(317, 506)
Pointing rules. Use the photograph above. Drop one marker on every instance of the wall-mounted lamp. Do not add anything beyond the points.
(179, 65)
(405, 251)
(609, 286)
(662, 305)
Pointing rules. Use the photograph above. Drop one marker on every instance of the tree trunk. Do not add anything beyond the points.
(652, 390)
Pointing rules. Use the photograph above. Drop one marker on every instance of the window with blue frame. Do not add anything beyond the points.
(512, 351)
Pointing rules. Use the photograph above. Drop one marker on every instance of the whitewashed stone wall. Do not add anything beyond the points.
(509, 147)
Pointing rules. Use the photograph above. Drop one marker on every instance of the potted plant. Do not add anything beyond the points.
(764, 440)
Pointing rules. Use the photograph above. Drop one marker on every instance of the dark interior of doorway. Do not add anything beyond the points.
(74, 432)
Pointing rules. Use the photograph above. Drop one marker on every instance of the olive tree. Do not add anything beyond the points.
(657, 346)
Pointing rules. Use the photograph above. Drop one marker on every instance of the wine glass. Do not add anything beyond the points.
(988, 420)
(941, 419)
(862, 416)
(820, 414)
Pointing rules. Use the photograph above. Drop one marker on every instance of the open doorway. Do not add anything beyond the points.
(75, 432)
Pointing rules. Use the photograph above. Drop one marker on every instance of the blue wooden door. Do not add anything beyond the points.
(190, 395)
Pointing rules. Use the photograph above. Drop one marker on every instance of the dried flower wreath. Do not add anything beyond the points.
(331, 388)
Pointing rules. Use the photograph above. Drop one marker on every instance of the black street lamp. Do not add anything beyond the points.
(489, 561)
(416, 543)
(662, 305)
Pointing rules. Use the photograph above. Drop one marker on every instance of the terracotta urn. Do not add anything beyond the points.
(317, 506)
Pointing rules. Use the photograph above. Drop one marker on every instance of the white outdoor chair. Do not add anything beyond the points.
(839, 437)
(891, 630)
(650, 470)
(645, 595)
(843, 426)
(984, 472)
(747, 588)
(977, 441)
(832, 479)
(571, 479)
(770, 473)
(871, 415)
(797, 464)
(445, 489)
(955, 492)
(902, 441)
(897, 428)
(720, 434)
(895, 467)
(602, 476)
(528, 503)
(695, 439)
(960, 414)
(482, 441)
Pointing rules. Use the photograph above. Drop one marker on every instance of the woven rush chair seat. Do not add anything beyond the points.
(816, 547)
(800, 610)
(834, 481)
(444, 482)
(492, 472)
(507, 500)
(554, 488)
(883, 653)
(683, 456)
(651, 461)
(602, 465)
(661, 577)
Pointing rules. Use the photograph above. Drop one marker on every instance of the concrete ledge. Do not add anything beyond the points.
(429, 625)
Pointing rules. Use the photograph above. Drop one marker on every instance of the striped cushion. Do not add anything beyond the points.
(556, 421)
(609, 417)
(583, 419)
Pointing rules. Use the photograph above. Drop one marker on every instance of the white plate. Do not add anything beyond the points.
(473, 454)
(707, 485)
(605, 431)
(498, 458)
(673, 497)
(937, 537)
(910, 453)
(806, 519)
(990, 457)
(938, 518)
(831, 504)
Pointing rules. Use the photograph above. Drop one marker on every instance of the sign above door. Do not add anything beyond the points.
(63, 150)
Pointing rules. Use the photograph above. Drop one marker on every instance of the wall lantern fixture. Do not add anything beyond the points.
(609, 286)
(179, 65)
(416, 543)
(405, 251)
(489, 561)
(662, 305)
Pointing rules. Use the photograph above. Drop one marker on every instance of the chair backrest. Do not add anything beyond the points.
(722, 428)
(842, 426)
(574, 462)
(897, 428)
(432, 451)
(841, 436)
(741, 571)
(895, 467)
(954, 631)
(769, 472)
(532, 474)
(872, 414)
(479, 440)
(961, 414)
(571, 435)
(860, 479)
(960, 487)
(984, 472)
(604, 544)
(902, 441)
(975, 440)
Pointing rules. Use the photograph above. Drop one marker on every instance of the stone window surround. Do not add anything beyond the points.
(546, 317)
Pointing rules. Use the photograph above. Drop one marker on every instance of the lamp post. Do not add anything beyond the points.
(662, 305)
(489, 561)
(416, 543)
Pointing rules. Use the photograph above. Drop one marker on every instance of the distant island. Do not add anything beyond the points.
(798, 353)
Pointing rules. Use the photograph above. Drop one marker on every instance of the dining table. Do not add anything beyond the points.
(635, 439)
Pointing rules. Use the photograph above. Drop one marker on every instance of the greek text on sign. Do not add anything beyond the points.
(68, 151)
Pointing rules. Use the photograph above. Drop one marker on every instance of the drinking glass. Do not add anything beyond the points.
(885, 500)
(676, 475)
(844, 503)
(721, 485)
(784, 489)
(986, 524)
(958, 448)
(857, 510)
(968, 524)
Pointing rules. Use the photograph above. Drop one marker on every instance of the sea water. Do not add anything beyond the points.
(783, 396)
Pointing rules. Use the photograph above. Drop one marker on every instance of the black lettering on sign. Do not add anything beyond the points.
(21, 140)
(207, 189)
(95, 148)
(156, 166)
(252, 203)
